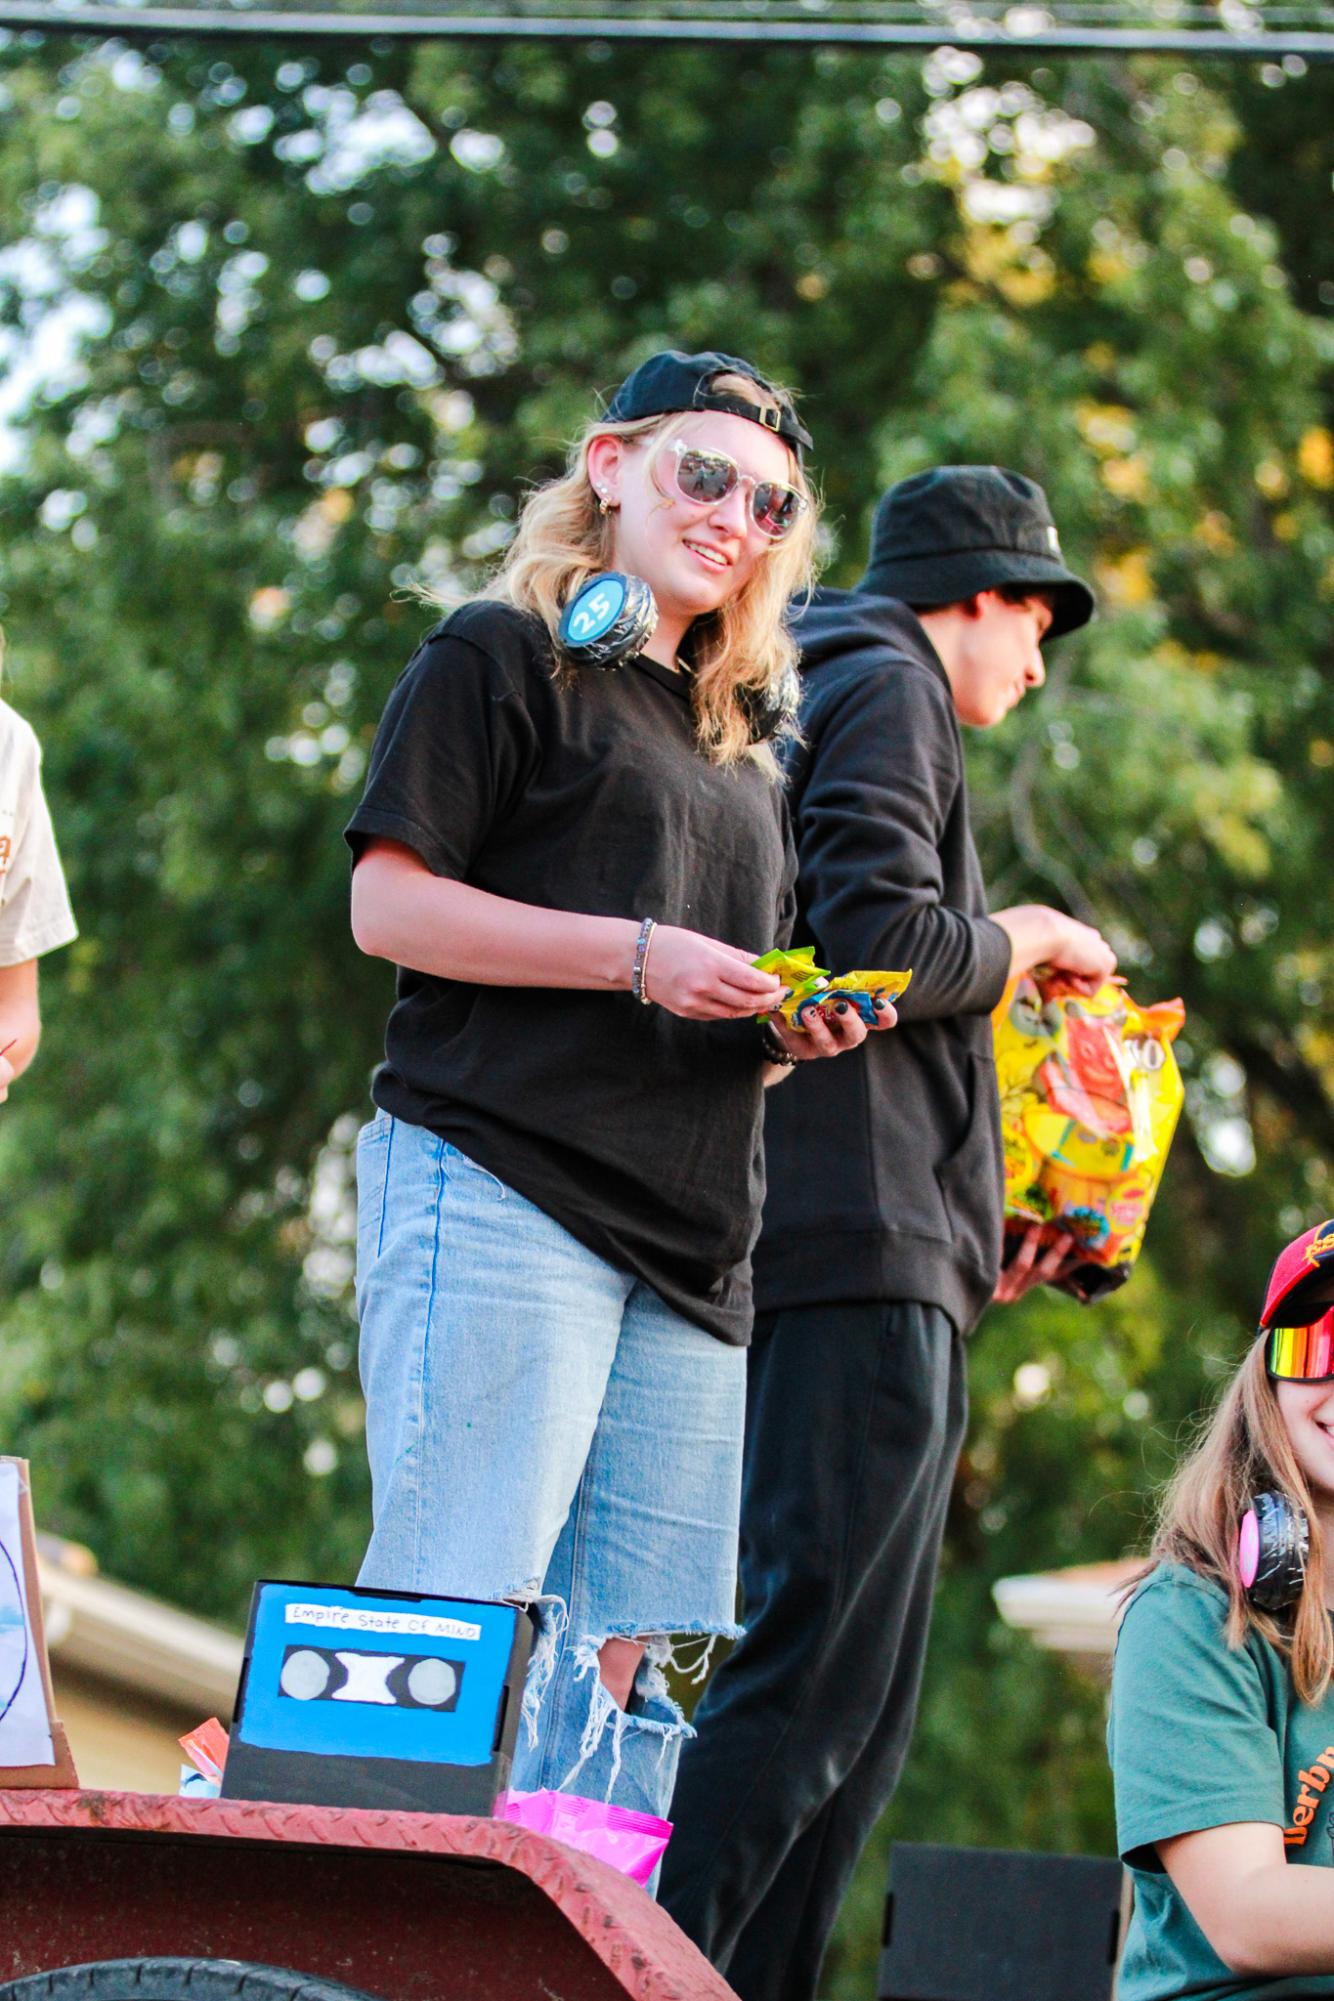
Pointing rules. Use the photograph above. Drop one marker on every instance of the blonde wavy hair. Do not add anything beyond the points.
(1245, 1450)
(562, 540)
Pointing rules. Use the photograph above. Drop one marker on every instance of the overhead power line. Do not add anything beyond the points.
(1231, 28)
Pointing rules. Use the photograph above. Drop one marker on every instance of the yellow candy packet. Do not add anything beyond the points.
(1090, 1093)
(812, 987)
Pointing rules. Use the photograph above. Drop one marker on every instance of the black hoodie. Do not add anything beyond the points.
(884, 1166)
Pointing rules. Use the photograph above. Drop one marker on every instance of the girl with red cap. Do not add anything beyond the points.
(1222, 1724)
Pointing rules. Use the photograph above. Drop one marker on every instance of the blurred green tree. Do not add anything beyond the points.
(326, 313)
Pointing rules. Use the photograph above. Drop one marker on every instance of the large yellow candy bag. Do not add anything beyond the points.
(1090, 1093)
(812, 987)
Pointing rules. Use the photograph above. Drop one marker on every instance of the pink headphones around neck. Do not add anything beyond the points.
(1273, 1545)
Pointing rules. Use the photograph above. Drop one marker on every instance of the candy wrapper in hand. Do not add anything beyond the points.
(811, 986)
(632, 1842)
(1090, 1093)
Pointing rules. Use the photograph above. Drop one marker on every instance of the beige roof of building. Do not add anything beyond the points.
(1074, 1611)
(131, 1640)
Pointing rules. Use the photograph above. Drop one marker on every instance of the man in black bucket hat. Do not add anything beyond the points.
(881, 1243)
(944, 535)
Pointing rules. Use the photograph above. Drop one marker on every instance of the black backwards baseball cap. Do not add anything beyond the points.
(671, 381)
(943, 535)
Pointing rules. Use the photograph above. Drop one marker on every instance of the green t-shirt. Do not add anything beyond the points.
(1202, 1735)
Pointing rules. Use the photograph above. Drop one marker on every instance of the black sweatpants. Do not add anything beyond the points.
(855, 1417)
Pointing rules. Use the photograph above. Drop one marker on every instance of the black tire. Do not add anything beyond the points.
(175, 1980)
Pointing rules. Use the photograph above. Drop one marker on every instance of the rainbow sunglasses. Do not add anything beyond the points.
(1301, 1354)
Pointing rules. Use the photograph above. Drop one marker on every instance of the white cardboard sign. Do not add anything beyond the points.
(33, 1750)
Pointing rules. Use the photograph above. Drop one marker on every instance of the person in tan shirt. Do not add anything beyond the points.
(35, 914)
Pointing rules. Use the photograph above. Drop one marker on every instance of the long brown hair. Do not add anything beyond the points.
(562, 540)
(1245, 1450)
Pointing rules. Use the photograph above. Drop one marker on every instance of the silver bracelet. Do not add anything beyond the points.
(640, 967)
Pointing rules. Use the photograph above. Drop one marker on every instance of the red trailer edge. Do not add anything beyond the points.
(402, 1906)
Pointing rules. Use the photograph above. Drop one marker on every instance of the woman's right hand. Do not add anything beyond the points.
(704, 980)
(403, 912)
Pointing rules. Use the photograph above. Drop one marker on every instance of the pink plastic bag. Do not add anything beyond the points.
(631, 1842)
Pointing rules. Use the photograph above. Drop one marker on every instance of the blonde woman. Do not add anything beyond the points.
(1222, 1730)
(573, 867)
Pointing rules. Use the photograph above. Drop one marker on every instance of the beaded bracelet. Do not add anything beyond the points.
(640, 967)
(774, 1050)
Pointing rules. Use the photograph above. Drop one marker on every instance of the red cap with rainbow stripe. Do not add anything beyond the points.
(1301, 1285)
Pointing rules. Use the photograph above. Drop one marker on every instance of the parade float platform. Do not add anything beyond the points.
(395, 1906)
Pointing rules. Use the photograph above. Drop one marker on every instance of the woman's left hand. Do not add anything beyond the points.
(830, 1031)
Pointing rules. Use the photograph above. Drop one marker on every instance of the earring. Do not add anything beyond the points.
(604, 505)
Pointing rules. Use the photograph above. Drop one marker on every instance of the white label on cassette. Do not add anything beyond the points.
(364, 1619)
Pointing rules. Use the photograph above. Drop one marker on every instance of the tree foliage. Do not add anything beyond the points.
(326, 316)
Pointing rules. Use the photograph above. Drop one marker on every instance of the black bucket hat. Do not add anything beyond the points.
(672, 381)
(943, 535)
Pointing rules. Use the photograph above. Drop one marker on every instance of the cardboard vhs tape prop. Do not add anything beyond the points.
(1090, 1093)
(377, 1699)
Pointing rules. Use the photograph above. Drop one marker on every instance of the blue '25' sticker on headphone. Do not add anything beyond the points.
(594, 612)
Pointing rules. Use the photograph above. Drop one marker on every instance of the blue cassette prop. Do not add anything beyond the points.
(367, 1698)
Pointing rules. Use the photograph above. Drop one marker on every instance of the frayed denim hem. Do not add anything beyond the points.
(553, 1620)
(628, 1755)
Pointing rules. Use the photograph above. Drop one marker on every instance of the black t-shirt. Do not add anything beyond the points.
(639, 1132)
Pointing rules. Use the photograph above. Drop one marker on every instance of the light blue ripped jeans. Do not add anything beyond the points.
(541, 1425)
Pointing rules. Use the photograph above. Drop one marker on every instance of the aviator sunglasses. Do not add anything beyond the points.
(1302, 1354)
(705, 478)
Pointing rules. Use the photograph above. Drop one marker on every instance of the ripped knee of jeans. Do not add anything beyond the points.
(653, 1718)
(689, 1656)
(619, 1661)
